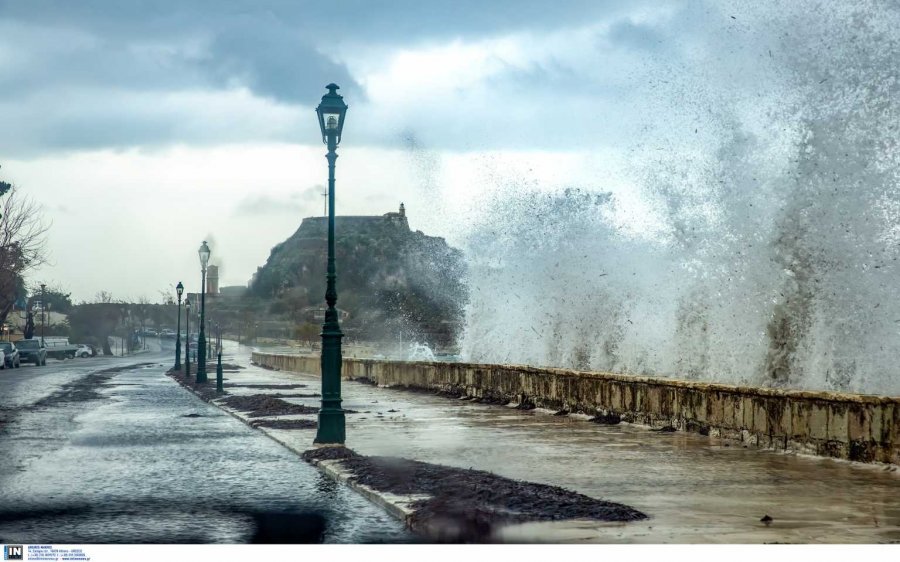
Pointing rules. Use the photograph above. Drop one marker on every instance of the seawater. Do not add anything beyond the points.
(771, 258)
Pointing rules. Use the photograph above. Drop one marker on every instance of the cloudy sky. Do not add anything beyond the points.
(145, 127)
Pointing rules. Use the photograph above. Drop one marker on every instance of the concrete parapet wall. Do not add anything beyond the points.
(849, 426)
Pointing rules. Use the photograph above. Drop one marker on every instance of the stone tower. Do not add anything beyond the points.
(212, 280)
(398, 217)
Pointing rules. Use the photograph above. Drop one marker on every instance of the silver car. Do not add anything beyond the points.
(10, 355)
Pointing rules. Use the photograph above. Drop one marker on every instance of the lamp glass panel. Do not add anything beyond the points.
(204, 254)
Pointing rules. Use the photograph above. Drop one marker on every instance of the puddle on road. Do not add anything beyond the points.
(696, 489)
(132, 470)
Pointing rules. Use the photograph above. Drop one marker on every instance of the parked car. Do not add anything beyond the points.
(10, 355)
(60, 348)
(84, 350)
(32, 351)
(3, 364)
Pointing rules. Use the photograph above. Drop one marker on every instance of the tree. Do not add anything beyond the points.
(95, 321)
(22, 244)
(29, 326)
(307, 332)
(103, 297)
(55, 298)
(163, 315)
(5, 187)
(166, 297)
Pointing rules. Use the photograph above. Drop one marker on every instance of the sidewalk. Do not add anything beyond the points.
(695, 489)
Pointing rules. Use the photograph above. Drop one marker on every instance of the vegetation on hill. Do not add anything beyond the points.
(392, 282)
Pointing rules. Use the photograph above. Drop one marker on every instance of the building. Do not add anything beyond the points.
(316, 228)
(399, 217)
(233, 291)
(212, 280)
(212, 287)
(317, 313)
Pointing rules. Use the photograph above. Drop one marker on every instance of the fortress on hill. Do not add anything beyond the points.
(314, 229)
(391, 280)
(318, 226)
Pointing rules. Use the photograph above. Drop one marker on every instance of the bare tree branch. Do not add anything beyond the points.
(22, 244)
(23, 231)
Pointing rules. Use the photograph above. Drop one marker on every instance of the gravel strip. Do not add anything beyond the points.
(259, 405)
(468, 505)
(285, 424)
(206, 390)
(269, 386)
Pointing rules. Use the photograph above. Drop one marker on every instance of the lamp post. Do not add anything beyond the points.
(187, 339)
(179, 290)
(124, 334)
(43, 308)
(203, 252)
(219, 386)
(331, 112)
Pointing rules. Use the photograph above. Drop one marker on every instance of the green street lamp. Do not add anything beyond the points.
(219, 386)
(203, 252)
(331, 112)
(187, 339)
(43, 308)
(179, 290)
(124, 312)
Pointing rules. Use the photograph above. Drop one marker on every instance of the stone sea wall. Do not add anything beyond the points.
(849, 426)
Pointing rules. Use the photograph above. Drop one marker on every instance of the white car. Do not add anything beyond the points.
(84, 351)
(3, 357)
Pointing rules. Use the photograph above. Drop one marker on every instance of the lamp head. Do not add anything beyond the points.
(204, 252)
(331, 112)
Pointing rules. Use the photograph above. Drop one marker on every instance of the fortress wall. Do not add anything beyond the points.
(847, 426)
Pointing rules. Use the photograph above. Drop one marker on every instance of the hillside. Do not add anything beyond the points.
(392, 282)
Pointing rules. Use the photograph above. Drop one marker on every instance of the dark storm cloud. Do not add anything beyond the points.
(273, 60)
(384, 22)
(103, 44)
(94, 73)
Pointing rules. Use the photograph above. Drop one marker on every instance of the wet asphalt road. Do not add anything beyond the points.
(112, 458)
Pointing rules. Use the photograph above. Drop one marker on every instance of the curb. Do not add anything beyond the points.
(395, 505)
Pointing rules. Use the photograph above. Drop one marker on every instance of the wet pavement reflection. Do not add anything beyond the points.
(695, 488)
(150, 462)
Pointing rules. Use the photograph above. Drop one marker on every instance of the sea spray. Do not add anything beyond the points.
(777, 262)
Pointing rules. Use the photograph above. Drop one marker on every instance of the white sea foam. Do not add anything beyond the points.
(776, 262)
